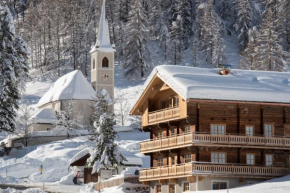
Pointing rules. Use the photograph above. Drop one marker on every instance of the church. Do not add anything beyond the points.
(72, 92)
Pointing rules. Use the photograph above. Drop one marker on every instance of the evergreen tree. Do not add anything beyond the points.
(270, 52)
(182, 12)
(13, 68)
(218, 56)
(175, 42)
(248, 57)
(138, 55)
(244, 20)
(106, 153)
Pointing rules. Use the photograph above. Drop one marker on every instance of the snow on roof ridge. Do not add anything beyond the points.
(70, 86)
(239, 85)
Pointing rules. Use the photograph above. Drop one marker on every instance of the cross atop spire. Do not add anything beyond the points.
(103, 39)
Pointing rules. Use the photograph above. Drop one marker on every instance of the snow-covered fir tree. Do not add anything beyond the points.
(14, 70)
(244, 20)
(249, 56)
(270, 52)
(182, 12)
(218, 55)
(106, 153)
(175, 41)
(138, 60)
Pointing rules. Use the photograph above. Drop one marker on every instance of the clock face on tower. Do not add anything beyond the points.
(105, 77)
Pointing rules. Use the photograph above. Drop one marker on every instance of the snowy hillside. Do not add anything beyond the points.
(55, 157)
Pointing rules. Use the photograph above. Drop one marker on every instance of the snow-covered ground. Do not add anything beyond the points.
(55, 157)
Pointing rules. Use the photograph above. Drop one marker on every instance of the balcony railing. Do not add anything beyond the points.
(248, 141)
(165, 143)
(190, 139)
(164, 114)
(210, 169)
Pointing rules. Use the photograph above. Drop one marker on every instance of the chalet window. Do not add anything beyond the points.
(169, 103)
(172, 131)
(187, 129)
(159, 134)
(172, 160)
(218, 129)
(268, 130)
(218, 158)
(187, 158)
(250, 159)
(94, 64)
(105, 63)
(175, 101)
(172, 188)
(163, 105)
(159, 161)
(158, 189)
(185, 187)
(219, 185)
(249, 130)
(269, 160)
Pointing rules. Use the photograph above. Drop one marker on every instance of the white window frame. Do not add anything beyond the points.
(185, 155)
(156, 187)
(269, 133)
(250, 130)
(174, 187)
(219, 157)
(270, 161)
(226, 181)
(218, 129)
(183, 186)
(250, 161)
(158, 134)
(187, 129)
(159, 162)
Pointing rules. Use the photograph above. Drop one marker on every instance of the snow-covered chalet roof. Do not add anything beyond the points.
(70, 86)
(45, 115)
(208, 84)
(103, 39)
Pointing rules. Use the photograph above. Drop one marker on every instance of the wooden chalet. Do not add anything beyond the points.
(211, 131)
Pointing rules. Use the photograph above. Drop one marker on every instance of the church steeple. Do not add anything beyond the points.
(103, 58)
(103, 39)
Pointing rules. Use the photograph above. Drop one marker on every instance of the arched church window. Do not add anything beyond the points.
(94, 64)
(105, 63)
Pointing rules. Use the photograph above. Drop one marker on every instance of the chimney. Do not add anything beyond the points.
(225, 69)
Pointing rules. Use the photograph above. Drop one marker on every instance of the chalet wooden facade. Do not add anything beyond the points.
(202, 144)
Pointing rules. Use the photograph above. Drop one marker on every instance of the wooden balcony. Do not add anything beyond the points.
(209, 169)
(175, 142)
(199, 139)
(241, 141)
(163, 115)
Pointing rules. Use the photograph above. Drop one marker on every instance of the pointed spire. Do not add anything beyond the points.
(103, 39)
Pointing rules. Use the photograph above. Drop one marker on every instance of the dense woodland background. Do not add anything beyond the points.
(60, 33)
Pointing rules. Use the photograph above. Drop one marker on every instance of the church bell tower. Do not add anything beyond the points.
(103, 58)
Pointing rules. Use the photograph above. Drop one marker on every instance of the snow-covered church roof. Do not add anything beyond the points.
(70, 86)
(103, 39)
(45, 115)
(239, 85)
